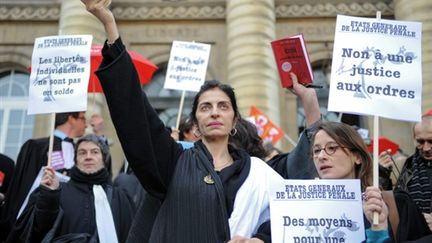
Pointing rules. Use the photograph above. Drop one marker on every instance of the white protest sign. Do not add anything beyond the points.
(316, 211)
(59, 74)
(377, 67)
(187, 66)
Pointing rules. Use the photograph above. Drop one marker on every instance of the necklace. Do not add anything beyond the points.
(226, 164)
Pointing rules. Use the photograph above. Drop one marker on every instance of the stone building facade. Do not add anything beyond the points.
(239, 32)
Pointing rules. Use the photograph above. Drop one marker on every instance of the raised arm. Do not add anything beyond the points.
(298, 163)
(309, 100)
(47, 204)
(146, 142)
(99, 9)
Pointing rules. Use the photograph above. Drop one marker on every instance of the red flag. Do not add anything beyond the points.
(384, 144)
(266, 129)
(427, 113)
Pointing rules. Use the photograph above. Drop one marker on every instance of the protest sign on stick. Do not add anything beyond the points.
(59, 76)
(187, 68)
(376, 67)
(325, 211)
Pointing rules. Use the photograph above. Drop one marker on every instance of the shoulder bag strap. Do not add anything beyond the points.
(389, 199)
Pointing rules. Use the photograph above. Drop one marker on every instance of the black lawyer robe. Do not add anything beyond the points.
(31, 158)
(75, 200)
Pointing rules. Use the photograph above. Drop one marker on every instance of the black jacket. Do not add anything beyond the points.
(73, 206)
(31, 158)
(191, 210)
(412, 224)
(297, 164)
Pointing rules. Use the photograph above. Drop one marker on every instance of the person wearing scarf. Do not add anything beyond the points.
(212, 192)
(32, 157)
(416, 175)
(86, 208)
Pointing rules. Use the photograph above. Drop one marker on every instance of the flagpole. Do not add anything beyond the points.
(375, 149)
(375, 162)
(290, 139)
(94, 96)
(51, 139)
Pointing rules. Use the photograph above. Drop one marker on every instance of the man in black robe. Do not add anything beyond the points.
(31, 158)
(7, 167)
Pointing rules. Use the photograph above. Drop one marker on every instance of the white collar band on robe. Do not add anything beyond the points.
(104, 219)
(68, 151)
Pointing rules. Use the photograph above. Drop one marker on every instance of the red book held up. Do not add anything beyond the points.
(291, 56)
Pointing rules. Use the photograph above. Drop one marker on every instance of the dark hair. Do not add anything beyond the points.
(346, 136)
(61, 118)
(213, 84)
(247, 138)
(269, 148)
(100, 142)
(185, 126)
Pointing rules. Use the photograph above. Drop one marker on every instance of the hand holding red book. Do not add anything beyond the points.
(291, 56)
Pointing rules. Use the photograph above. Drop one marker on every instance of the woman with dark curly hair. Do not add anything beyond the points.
(212, 192)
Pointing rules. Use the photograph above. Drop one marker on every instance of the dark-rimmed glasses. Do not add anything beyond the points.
(329, 148)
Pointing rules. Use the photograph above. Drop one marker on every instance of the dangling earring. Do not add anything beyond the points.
(197, 133)
(233, 132)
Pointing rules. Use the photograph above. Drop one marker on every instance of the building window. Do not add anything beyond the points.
(15, 125)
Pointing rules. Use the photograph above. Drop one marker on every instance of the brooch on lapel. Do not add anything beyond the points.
(208, 179)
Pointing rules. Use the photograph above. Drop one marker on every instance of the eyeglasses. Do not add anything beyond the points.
(329, 148)
(421, 142)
